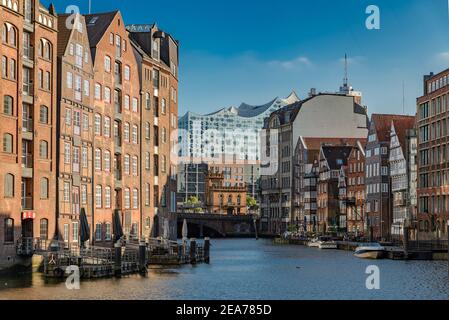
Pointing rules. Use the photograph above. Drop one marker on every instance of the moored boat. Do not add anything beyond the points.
(370, 251)
(328, 245)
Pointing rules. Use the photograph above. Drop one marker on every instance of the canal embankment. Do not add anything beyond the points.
(392, 252)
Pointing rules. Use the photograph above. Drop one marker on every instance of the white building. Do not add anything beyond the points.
(230, 131)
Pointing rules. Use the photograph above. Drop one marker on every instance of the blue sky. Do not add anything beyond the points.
(252, 51)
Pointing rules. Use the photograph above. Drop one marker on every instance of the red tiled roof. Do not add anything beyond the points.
(383, 124)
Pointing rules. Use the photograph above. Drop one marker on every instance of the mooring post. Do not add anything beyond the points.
(142, 256)
(406, 235)
(448, 244)
(207, 250)
(371, 234)
(118, 259)
(255, 228)
(193, 251)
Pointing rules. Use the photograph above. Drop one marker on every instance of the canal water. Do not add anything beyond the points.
(250, 269)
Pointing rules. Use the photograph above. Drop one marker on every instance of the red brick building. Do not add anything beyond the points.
(28, 117)
(433, 154)
(75, 117)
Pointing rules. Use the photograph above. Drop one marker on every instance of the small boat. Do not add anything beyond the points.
(328, 244)
(314, 243)
(370, 251)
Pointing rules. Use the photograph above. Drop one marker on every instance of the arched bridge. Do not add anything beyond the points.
(216, 225)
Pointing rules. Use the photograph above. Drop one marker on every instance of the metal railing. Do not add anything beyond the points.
(27, 203)
(27, 125)
(27, 160)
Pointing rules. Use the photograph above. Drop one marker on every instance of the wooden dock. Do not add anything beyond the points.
(132, 258)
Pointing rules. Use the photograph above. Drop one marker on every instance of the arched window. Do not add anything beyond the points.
(4, 33)
(12, 37)
(8, 106)
(229, 199)
(7, 143)
(44, 188)
(43, 149)
(43, 115)
(107, 161)
(147, 130)
(98, 196)
(239, 199)
(47, 50)
(147, 101)
(44, 229)
(9, 186)
(9, 230)
(221, 199)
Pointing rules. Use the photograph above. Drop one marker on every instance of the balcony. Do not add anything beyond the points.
(118, 178)
(28, 92)
(400, 202)
(27, 128)
(27, 203)
(118, 145)
(27, 165)
(28, 55)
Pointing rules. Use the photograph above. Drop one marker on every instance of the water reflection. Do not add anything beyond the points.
(249, 269)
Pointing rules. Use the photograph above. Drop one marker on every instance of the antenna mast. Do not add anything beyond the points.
(345, 80)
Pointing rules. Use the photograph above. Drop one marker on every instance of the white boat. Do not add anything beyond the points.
(370, 251)
(328, 245)
(313, 243)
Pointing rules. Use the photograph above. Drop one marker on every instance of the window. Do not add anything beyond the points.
(147, 194)
(43, 115)
(86, 88)
(47, 81)
(98, 196)
(79, 55)
(83, 194)
(126, 132)
(135, 105)
(84, 157)
(107, 197)
(44, 188)
(7, 143)
(127, 73)
(97, 91)
(75, 233)
(147, 130)
(135, 199)
(68, 116)
(107, 161)
(107, 64)
(147, 161)
(98, 232)
(8, 105)
(97, 127)
(164, 106)
(44, 229)
(12, 69)
(164, 164)
(126, 102)
(66, 192)
(97, 159)
(147, 101)
(127, 199)
(69, 80)
(85, 122)
(9, 230)
(126, 164)
(107, 127)
(164, 135)
(107, 94)
(67, 152)
(9, 186)
(108, 233)
(134, 165)
(4, 67)
(134, 134)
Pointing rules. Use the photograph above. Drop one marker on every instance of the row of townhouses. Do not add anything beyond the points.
(339, 172)
(88, 108)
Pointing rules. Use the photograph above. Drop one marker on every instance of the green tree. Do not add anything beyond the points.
(251, 203)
